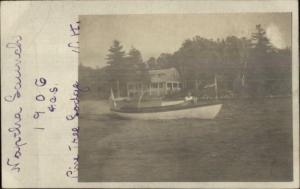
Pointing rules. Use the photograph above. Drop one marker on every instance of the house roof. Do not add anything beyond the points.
(170, 74)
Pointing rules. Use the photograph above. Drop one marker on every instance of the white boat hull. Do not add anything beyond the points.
(170, 103)
(202, 112)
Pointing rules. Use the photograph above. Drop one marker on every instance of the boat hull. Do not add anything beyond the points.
(201, 112)
(170, 103)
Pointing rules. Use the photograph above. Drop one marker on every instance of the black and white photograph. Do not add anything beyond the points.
(201, 97)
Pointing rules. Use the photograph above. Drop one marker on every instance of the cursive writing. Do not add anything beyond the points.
(75, 100)
(17, 46)
(73, 170)
(16, 133)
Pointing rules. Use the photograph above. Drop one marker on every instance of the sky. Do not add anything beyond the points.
(156, 34)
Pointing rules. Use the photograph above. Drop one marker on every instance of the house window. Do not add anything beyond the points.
(180, 85)
(169, 85)
(130, 86)
(175, 85)
(154, 85)
(161, 85)
(139, 86)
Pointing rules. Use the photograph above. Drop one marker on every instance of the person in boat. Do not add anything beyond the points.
(190, 99)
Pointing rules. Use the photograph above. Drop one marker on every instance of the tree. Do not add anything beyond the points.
(234, 53)
(125, 68)
(197, 59)
(259, 72)
(164, 60)
(134, 57)
(116, 54)
(260, 42)
(136, 69)
(151, 62)
(115, 59)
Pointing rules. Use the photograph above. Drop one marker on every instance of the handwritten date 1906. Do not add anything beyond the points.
(42, 82)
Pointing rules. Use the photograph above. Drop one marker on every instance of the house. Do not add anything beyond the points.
(162, 82)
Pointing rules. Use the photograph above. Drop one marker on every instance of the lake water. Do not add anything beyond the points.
(250, 140)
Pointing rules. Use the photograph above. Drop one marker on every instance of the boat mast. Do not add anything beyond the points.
(112, 100)
(216, 87)
(118, 88)
(140, 99)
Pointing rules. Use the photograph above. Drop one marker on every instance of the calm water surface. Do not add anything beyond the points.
(250, 140)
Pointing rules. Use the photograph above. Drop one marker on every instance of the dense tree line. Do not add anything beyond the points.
(242, 66)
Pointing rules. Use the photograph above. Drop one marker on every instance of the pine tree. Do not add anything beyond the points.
(116, 54)
(115, 59)
(259, 72)
(260, 42)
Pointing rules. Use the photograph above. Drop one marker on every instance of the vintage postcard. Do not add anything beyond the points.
(150, 94)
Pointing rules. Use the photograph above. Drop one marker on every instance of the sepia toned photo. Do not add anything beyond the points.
(186, 98)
